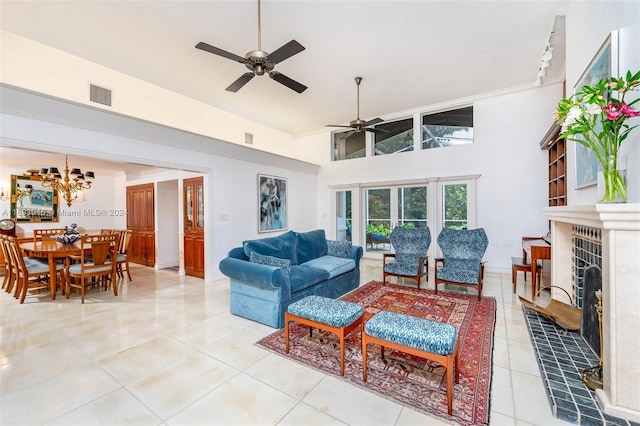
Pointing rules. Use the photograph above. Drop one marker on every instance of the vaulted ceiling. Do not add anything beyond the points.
(410, 53)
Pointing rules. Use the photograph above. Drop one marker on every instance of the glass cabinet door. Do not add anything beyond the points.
(188, 207)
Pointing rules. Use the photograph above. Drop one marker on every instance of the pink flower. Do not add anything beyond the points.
(629, 111)
(616, 110)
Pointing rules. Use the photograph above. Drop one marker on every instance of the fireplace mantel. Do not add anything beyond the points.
(620, 225)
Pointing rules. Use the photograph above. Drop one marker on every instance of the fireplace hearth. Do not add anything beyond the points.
(561, 356)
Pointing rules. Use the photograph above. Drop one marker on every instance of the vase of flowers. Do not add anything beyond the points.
(596, 117)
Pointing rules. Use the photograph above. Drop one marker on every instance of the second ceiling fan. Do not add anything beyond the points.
(260, 62)
(359, 125)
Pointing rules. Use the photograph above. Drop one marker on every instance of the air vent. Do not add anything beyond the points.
(99, 95)
(248, 138)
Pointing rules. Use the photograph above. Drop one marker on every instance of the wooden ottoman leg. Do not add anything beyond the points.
(286, 332)
(450, 368)
(457, 363)
(364, 356)
(341, 336)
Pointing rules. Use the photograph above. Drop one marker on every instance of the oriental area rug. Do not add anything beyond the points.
(406, 379)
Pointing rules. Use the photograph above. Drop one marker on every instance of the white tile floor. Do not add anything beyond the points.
(167, 351)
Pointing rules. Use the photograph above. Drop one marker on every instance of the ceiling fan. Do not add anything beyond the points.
(359, 125)
(260, 62)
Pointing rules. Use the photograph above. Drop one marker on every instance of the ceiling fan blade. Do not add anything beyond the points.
(241, 81)
(372, 122)
(337, 125)
(374, 130)
(285, 52)
(216, 51)
(291, 84)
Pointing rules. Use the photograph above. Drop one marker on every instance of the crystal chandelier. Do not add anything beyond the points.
(69, 185)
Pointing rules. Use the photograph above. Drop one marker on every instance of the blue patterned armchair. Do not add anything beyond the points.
(410, 257)
(462, 264)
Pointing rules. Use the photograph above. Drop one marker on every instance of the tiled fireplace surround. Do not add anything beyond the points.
(620, 225)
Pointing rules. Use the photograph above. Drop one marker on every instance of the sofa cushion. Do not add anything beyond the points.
(270, 261)
(282, 246)
(333, 265)
(310, 245)
(304, 277)
(339, 248)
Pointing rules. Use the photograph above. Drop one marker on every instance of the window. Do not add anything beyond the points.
(348, 145)
(448, 128)
(454, 206)
(369, 212)
(390, 206)
(412, 206)
(396, 136)
(343, 215)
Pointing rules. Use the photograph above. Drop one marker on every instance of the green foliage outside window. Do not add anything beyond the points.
(455, 206)
(382, 229)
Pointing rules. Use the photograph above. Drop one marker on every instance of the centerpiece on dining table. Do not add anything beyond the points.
(70, 235)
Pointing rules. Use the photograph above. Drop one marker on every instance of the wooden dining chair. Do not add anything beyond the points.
(30, 274)
(122, 258)
(104, 248)
(13, 283)
(8, 279)
(46, 233)
(7, 263)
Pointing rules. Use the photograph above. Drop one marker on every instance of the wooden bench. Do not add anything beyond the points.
(333, 315)
(416, 336)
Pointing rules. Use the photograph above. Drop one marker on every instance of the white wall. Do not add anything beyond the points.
(231, 187)
(168, 225)
(43, 69)
(588, 25)
(512, 188)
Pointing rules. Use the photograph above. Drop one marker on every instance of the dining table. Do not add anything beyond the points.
(52, 251)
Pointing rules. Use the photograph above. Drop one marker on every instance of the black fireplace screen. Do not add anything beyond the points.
(587, 279)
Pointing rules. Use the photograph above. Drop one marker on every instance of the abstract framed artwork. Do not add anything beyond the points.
(604, 65)
(272, 203)
(32, 202)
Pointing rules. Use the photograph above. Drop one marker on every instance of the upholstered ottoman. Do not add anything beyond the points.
(333, 315)
(416, 336)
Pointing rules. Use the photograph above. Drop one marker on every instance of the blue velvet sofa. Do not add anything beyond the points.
(269, 274)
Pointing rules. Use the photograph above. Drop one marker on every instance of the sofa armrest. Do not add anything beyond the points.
(356, 254)
(255, 274)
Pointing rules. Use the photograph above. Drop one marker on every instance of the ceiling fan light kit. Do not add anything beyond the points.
(260, 62)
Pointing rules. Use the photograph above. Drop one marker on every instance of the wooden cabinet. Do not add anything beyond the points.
(141, 220)
(557, 152)
(193, 197)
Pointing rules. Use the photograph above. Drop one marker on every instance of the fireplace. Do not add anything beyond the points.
(586, 279)
(618, 228)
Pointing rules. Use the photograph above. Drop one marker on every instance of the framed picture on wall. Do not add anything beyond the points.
(32, 202)
(604, 65)
(272, 203)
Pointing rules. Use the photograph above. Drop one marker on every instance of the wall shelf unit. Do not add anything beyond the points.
(557, 152)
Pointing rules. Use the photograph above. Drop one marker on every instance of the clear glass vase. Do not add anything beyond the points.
(612, 183)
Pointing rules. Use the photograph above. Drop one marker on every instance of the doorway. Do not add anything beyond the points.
(193, 197)
(385, 208)
(141, 220)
